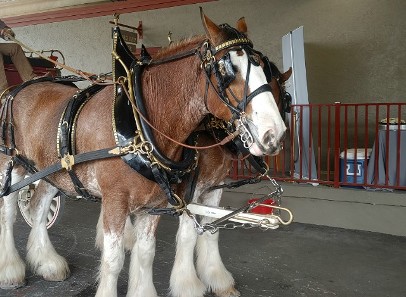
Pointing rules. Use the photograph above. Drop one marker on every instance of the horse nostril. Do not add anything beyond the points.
(269, 138)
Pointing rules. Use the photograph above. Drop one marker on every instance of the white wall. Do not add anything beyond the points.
(355, 50)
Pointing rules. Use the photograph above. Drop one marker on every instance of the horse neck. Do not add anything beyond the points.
(173, 97)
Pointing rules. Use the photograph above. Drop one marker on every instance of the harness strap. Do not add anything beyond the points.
(163, 211)
(7, 128)
(162, 180)
(261, 89)
(80, 188)
(191, 187)
(66, 133)
(7, 179)
(237, 184)
(80, 158)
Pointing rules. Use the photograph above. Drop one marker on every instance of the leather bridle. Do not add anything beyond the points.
(224, 73)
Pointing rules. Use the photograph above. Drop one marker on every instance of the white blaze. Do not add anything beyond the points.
(265, 114)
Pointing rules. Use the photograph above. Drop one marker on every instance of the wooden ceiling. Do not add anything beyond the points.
(17, 13)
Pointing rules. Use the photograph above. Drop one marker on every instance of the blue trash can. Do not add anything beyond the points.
(352, 171)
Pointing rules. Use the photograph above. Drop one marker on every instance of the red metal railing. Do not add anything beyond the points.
(357, 145)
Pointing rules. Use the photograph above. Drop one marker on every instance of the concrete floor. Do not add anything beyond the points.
(298, 260)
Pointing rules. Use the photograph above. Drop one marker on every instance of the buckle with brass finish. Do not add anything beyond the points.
(67, 162)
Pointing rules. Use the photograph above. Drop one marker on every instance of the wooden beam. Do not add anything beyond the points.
(90, 11)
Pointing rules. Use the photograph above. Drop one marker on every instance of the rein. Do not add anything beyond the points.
(88, 76)
(91, 77)
(222, 142)
(81, 73)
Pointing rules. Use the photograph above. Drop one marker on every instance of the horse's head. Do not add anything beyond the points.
(236, 72)
(277, 80)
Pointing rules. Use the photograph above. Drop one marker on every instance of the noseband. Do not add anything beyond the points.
(224, 72)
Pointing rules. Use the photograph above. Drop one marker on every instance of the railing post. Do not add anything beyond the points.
(337, 124)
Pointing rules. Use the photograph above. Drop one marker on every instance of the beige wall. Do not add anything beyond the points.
(355, 49)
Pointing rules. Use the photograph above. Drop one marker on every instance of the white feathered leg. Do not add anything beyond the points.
(142, 256)
(41, 254)
(112, 258)
(210, 267)
(129, 234)
(184, 281)
(12, 267)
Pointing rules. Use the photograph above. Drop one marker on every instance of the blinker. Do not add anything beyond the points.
(254, 59)
(287, 102)
(226, 70)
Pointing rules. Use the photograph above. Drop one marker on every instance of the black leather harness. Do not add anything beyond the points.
(66, 141)
(131, 129)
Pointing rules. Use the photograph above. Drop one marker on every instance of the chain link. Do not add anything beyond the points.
(262, 224)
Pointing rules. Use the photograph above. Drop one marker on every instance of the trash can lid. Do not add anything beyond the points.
(360, 153)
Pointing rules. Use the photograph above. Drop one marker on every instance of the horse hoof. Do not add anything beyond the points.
(55, 277)
(232, 292)
(12, 285)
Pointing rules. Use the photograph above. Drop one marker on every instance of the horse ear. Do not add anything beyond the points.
(242, 25)
(212, 30)
(285, 76)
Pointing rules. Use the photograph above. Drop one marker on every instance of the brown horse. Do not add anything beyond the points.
(211, 275)
(176, 99)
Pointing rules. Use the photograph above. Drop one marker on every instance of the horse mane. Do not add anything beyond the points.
(227, 32)
(275, 70)
(179, 46)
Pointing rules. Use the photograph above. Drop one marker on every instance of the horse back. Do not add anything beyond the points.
(37, 111)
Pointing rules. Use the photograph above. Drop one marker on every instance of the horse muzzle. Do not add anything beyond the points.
(270, 144)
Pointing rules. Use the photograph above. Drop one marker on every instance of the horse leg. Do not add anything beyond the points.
(41, 255)
(210, 267)
(112, 258)
(184, 281)
(129, 235)
(142, 257)
(12, 267)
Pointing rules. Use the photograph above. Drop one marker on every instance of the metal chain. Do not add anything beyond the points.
(231, 226)
(263, 225)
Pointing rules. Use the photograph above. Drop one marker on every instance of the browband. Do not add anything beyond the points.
(230, 43)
